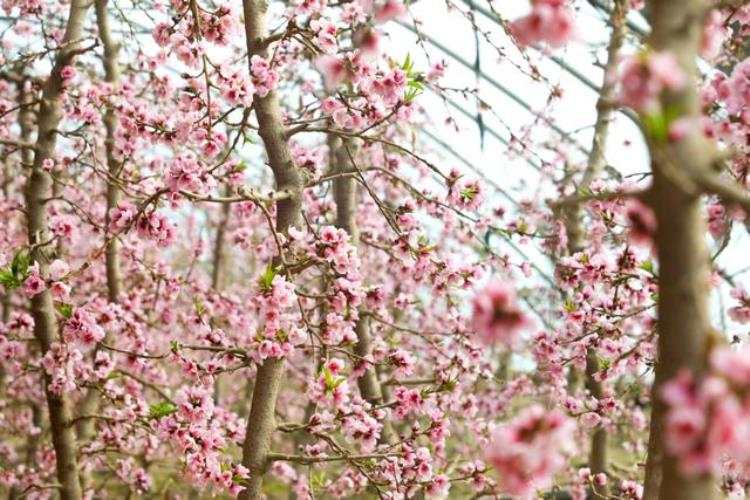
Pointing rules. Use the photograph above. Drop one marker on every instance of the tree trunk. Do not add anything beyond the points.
(86, 428)
(217, 275)
(684, 266)
(112, 75)
(37, 192)
(261, 422)
(26, 123)
(345, 195)
(576, 239)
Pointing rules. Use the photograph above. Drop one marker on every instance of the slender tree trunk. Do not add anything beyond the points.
(576, 238)
(37, 191)
(261, 422)
(345, 195)
(26, 123)
(684, 266)
(112, 75)
(86, 429)
(217, 275)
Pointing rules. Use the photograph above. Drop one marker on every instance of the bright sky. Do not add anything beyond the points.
(575, 113)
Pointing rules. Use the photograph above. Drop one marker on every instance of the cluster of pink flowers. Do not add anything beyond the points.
(236, 86)
(187, 173)
(34, 284)
(60, 364)
(122, 216)
(155, 226)
(644, 76)
(151, 226)
(197, 429)
(82, 329)
(466, 195)
(309, 159)
(708, 420)
(136, 477)
(740, 313)
(527, 452)
(220, 25)
(279, 330)
(390, 87)
(641, 222)
(736, 89)
(550, 21)
(264, 78)
(497, 316)
(331, 385)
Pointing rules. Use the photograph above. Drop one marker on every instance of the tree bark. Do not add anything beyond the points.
(684, 265)
(86, 428)
(112, 75)
(217, 276)
(37, 191)
(261, 422)
(576, 239)
(26, 123)
(345, 195)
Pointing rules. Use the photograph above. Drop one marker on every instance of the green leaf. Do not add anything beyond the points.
(569, 305)
(65, 310)
(265, 282)
(648, 266)
(162, 409)
(329, 377)
(604, 364)
(199, 307)
(20, 264)
(407, 64)
(410, 95)
(8, 279)
(318, 480)
(657, 125)
(469, 193)
(14, 275)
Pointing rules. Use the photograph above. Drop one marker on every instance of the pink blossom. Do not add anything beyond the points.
(497, 316)
(264, 78)
(333, 70)
(67, 74)
(732, 364)
(684, 429)
(58, 269)
(82, 329)
(390, 9)
(643, 77)
(641, 222)
(714, 34)
(550, 21)
(741, 312)
(122, 216)
(34, 284)
(527, 452)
